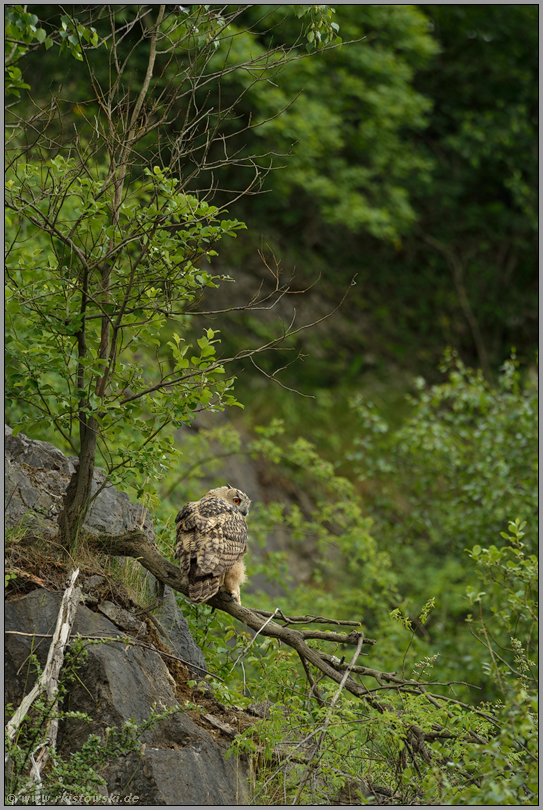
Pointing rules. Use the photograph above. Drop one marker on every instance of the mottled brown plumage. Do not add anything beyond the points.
(211, 540)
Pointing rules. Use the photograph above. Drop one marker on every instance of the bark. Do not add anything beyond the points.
(136, 545)
(78, 494)
(457, 270)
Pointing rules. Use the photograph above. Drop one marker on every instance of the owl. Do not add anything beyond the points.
(211, 541)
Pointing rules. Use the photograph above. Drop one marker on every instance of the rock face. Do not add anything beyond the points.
(176, 628)
(37, 475)
(181, 764)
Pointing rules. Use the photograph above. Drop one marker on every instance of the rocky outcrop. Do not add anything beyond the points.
(176, 630)
(37, 475)
(181, 763)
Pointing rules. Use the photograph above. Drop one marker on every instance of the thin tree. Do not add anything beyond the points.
(110, 218)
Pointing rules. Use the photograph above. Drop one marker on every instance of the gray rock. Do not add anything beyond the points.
(123, 619)
(176, 629)
(181, 763)
(93, 582)
(37, 475)
(34, 453)
(193, 776)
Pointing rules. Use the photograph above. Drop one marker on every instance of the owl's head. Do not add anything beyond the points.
(233, 496)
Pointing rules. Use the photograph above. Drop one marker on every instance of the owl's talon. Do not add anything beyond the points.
(229, 596)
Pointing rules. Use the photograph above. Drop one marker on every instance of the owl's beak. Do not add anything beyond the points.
(243, 510)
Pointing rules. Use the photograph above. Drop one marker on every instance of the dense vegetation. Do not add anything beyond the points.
(138, 139)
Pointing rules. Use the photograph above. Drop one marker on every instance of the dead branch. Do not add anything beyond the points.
(318, 743)
(307, 619)
(48, 683)
(136, 544)
(341, 638)
(457, 269)
(313, 684)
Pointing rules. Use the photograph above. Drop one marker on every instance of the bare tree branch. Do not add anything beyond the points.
(48, 681)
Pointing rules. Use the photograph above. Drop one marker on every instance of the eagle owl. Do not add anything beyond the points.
(211, 541)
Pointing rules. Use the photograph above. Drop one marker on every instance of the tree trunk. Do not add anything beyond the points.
(457, 269)
(78, 494)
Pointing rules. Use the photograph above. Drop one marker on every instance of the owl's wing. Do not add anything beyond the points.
(189, 517)
(211, 537)
(186, 520)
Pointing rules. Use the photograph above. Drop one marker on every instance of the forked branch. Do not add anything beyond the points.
(136, 544)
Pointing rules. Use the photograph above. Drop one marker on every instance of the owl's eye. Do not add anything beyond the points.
(237, 500)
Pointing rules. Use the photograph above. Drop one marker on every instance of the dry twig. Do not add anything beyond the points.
(48, 683)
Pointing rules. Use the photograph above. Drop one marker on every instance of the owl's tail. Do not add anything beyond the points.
(203, 588)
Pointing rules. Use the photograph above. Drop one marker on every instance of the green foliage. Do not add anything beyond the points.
(477, 214)
(23, 32)
(446, 479)
(411, 161)
(494, 108)
(433, 624)
(412, 158)
(342, 132)
(466, 453)
(55, 302)
(438, 483)
(511, 577)
(332, 527)
(505, 622)
(105, 244)
(320, 30)
(8, 577)
(430, 748)
(469, 268)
